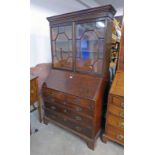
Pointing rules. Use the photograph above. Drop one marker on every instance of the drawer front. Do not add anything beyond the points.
(78, 105)
(115, 134)
(81, 119)
(115, 110)
(33, 91)
(116, 100)
(82, 102)
(87, 131)
(115, 121)
(53, 93)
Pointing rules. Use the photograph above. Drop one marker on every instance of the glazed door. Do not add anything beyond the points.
(62, 50)
(90, 46)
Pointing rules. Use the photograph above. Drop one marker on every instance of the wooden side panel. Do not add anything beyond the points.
(121, 53)
(33, 90)
(99, 102)
(107, 46)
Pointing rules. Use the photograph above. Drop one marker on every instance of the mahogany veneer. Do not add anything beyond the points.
(73, 91)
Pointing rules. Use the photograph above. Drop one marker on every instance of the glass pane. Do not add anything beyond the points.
(62, 43)
(61, 29)
(90, 47)
(53, 46)
(62, 48)
(68, 31)
(54, 32)
(79, 31)
(101, 48)
(78, 48)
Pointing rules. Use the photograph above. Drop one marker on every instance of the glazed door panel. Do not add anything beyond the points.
(62, 47)
(90, 46)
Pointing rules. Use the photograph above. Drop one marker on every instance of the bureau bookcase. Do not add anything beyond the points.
(73, 91)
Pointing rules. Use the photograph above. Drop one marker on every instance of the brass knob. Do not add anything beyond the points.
(121, 114)
(64, 103)
(65, 110)
(121, 124)
(78, 109)
(32, 91)
(90, 66)
(122, 104)
(120, 137)
(78, 118)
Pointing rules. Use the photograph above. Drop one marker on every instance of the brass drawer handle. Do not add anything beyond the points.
(53, 107)
(78, 118)
(65, 110)
(121, 124)
(121, 114)
(120, 137)
(122, 104)
(78, 109)
(78, 128)
(32, 91)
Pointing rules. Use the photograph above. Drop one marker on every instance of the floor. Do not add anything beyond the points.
(52, 140)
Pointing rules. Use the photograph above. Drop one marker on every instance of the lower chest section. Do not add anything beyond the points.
(73, 112)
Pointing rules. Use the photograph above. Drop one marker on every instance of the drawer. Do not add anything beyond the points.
(33, 91)
(82, 102)
(85, 130)
(115, 134)
(53, 93)
(75, 107)
(116, 100)
(79, 118)
(115, 121)
(69, 98)
(115, 110)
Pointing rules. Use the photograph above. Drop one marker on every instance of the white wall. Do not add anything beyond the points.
(40, 50)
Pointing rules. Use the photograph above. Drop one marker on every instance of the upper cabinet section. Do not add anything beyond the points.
(80, 40)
